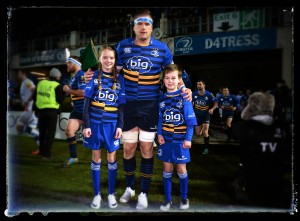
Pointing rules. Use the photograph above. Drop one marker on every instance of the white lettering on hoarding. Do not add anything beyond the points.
(232, 41)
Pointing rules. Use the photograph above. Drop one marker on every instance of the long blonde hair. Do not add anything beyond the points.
(109, 47)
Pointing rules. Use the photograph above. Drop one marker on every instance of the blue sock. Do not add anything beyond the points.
(27, 129)
(183, 179)
(37, 139)
(129, 168)
(72, 146)
(146, 174)
(96, 177)
(167, 177)
(112, 176)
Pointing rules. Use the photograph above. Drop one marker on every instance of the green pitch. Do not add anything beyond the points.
(37, 185)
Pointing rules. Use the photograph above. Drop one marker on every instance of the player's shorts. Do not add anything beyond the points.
(203, 118)
(173, 153)
(143, 114)
(76, 115)
(103, 135)
(227, 114)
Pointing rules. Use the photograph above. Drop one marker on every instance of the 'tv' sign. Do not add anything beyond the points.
(265, 145)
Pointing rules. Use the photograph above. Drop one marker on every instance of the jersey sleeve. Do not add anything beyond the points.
(189, 133)
(212, 97)
(86, 117)
(122, 94)
(169, 57)
(81, 82)
(29, 84)
(189, 114)
(89, 89)
(159, 124)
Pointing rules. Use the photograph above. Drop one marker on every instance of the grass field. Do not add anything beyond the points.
(38, 185)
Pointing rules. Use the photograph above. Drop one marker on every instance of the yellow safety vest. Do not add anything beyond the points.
(45, 96)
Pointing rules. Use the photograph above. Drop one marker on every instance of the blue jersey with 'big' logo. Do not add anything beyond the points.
(142, 65)
(175, 115)
(104, 103)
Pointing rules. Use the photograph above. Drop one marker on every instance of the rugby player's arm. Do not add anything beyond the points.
(77, 92)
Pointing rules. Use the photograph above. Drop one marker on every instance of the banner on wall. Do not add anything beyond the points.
(12, 118)
(245, 40)
(42, 58)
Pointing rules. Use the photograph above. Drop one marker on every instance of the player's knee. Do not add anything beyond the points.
(146, 136)
(69, 132)
(130, 136)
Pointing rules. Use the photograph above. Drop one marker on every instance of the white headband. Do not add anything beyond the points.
(74, 61)
(143, 19)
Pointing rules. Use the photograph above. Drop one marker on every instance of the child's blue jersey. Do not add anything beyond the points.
(77, 82)
(175, 115)
(142, 66)
(104, 103)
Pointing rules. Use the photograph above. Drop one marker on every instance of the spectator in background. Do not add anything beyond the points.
(27, 122)
(48, 97)
(262, 141)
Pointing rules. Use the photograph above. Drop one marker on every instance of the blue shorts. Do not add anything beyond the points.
(203, 118)
(143, 114)
(173, 153)
(76, 115)
(102, 134)
(227, 114)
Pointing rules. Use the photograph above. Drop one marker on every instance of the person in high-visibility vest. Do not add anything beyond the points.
(48, 97)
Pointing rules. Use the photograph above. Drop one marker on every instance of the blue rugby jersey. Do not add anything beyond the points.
(142, 65)
(202, 103)
(228, 102)
(175, 115)
(77, 82)
(104, 104)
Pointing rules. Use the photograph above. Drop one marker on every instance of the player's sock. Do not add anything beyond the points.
(72, 146)
(112, 176)
(183, 180)
(129, 168)
(167, 177)
(146, 174)
(27, 129)
(96, 175)
(37, 139)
